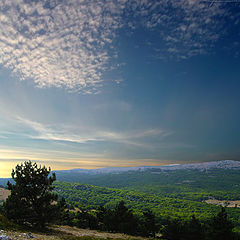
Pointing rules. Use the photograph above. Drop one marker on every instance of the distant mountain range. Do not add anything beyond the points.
(101, 176)
(224, 164)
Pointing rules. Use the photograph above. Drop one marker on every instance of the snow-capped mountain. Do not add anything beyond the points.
(224, 164)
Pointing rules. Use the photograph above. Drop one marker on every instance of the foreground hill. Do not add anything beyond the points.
(65, 233)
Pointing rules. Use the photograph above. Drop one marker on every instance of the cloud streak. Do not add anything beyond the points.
(76, 135)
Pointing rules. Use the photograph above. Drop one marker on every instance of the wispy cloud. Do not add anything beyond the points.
(38, 153)
(76, 135)
(59, 133)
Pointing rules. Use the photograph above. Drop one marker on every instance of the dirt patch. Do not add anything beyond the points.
(66, 232)
(93, 233)
(4, 193)
(224, 203)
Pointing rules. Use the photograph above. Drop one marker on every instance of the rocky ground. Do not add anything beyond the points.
(4, 193)
(64, 232)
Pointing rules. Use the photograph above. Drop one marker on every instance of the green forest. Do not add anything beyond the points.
(177, 194)
(176, 198)
(164, 205)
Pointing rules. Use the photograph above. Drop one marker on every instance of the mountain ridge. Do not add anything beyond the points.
(225, 164)
(64, 174)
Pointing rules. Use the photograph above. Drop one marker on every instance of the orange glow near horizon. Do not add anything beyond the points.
(7, 166)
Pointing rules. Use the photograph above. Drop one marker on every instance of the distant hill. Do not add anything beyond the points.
(3, 181)
(225, 164)
(118, 175)
(180, 192)
(97, 176)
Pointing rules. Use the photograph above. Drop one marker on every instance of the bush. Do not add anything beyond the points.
(5, 223)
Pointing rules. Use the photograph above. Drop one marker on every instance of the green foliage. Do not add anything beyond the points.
(169, 196)
(117, 219)
(121, 219)
(84, 219)
(176, 193)
(218, 228)
(91, 197)
(222, 181)
(31, 200)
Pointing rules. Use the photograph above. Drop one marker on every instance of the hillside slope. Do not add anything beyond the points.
(66, 233)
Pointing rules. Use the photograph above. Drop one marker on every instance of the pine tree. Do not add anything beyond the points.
(174, 230)
(149, 224)
(221, 227)
(193, 230)
(101, 215)
(124, 220)
(31, 201)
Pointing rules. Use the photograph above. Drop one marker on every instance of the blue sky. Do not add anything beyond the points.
(102, 83)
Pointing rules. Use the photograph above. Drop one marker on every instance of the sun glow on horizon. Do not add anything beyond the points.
(6, 165)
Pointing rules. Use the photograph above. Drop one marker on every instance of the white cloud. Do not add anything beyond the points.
(68, 43)
(185, 27)
(61, 45)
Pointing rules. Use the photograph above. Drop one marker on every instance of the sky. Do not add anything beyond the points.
(102, 83)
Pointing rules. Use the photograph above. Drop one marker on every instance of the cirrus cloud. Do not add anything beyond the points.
(77, 135)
